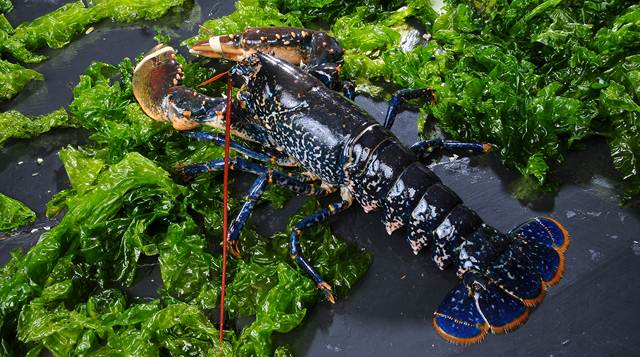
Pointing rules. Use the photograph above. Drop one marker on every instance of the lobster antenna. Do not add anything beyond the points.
(208, 31)
(225, 210)
(212, 79)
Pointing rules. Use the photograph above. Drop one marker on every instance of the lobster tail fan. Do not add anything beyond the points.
(458, 320)
(518, 276)
(465, 318)
(543, 240)
(546, 231)
(498, 298)
(502, 311)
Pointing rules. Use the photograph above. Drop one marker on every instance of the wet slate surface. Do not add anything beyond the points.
(592, 312)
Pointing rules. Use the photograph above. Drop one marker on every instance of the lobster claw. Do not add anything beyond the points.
(289, 44)
(154, 77)
(157, 87)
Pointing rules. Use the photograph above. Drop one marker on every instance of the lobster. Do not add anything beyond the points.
(289, 103)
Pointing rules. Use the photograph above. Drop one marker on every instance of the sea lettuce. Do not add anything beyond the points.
(248, 13)
(6, 30)
(19, 126)
(5, 6)
(555, 80)
(530, 76)
(13, 77)
(103, 233)
(107, 324)
(57, 28)
(14, 214)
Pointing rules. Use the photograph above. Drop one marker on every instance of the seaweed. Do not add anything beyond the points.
(14, 214)
(13, 77)
(16, 125)
(5, 6)
(57, 28)
(533, 77)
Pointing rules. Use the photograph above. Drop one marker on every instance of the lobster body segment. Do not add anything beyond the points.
(284, 107)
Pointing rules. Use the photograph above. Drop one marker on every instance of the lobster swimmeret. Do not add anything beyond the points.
(297, 115)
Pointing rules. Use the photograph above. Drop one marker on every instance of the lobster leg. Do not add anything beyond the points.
(405, 94)
(296, 183)
(329, 74)
(256, 190)
(277, 159)
(294, 240)
(265, 176)
(425, 150)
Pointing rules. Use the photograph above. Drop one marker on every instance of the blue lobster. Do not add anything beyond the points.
(298, 116)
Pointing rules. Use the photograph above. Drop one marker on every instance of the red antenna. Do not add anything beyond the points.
(225, 209)
(213, 79)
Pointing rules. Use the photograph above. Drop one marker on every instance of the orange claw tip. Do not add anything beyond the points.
(330, 298)
(234, 249)
(326, 289)
(482, 332)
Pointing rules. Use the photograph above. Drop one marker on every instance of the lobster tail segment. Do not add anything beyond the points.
(498, 294)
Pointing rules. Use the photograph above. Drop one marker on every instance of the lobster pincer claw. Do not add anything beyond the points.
(156, 84)
(326, 289)
(153, 79)
(289, 44)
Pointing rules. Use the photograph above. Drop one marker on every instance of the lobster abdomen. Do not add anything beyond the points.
(503, 275)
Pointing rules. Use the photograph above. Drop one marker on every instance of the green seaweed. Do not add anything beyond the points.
(57, 28)
(14, 214)
(533, 77)
(16, 125)
(5, 6)
(99, 241)
(13, 77)
(248, 13)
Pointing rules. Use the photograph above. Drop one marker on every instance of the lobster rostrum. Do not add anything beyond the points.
(300, 119)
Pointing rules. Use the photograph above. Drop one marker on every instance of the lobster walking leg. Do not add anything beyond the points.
(256, 190)
(405, 94)
(426, 150)
(294, 240)
(329, 74)
(296, 184)
(265, 176)
(277, 159)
